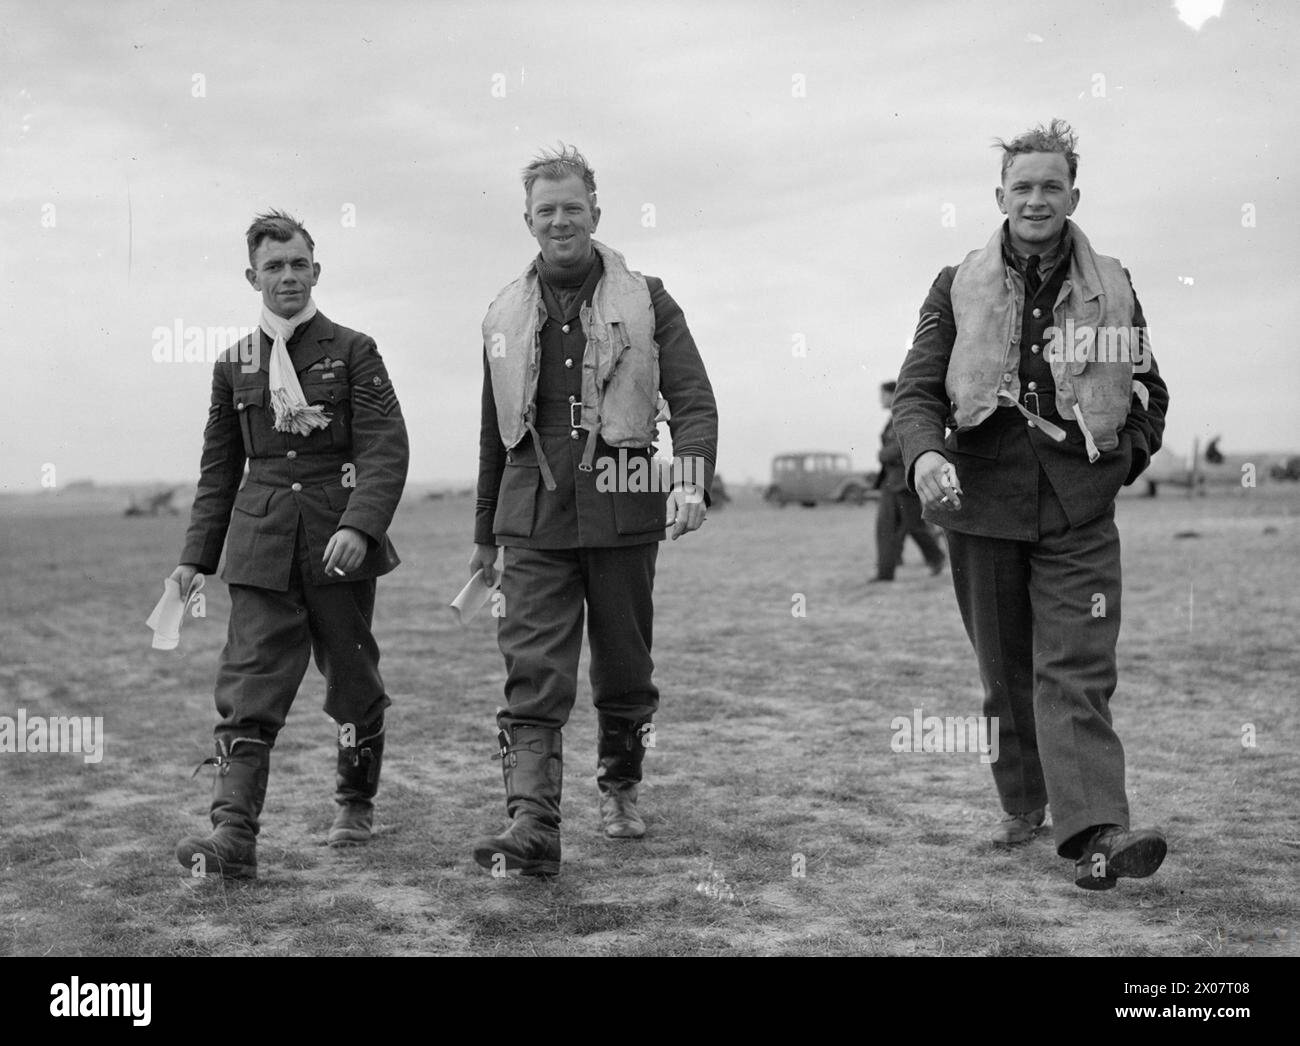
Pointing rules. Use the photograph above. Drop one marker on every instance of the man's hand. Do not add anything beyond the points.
(686, 510)
(185, 575)
(485, 559)
(935, 479)
(345, 551)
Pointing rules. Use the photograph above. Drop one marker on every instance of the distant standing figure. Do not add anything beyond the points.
(898, 513)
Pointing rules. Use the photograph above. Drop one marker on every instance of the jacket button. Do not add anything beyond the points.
(1034, 349)
(1032, 385)
(1007, 377)
(565, 328)
(573, 399)
(296, 487)
(573, 434)
(239, 405)
(291, 454)
(1037, 313)
(568, 363)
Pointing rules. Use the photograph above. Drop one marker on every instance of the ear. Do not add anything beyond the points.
(251, 277)
(1001, 197)
(595, 218)
(528, 220)
(1074, 201)
(315, 273)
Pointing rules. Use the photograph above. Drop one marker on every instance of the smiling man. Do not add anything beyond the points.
(305, 537)
(576, 353)
(1041, 438)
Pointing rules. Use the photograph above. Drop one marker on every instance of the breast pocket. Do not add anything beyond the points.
(335, 399)
(252, 406)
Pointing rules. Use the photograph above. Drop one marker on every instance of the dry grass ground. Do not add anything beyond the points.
(773, 741)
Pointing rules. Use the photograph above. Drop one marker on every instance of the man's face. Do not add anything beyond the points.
(562, 219)
(1036, 196)
(285, 274)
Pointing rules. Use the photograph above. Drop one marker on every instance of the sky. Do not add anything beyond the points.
(796, 173)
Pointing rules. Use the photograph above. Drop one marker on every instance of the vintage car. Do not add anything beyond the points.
(813, 476)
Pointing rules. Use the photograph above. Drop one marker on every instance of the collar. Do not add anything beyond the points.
(306, 346)
(1046, 262)
(569, 279)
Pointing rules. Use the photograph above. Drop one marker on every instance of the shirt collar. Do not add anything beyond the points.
(1046, 262)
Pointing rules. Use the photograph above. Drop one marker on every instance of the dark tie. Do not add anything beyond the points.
(1032, 282)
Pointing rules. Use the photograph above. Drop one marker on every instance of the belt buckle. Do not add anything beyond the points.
(575, 420)
(1035, 408)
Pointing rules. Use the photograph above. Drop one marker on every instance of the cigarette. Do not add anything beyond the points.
(340, 573)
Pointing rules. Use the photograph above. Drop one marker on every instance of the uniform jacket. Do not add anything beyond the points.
(350, 474)
(514, 506)
(999, 460)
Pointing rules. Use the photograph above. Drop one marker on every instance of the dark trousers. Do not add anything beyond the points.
(540, 631)
(1045, 643)
(270, 639)
(897, 515)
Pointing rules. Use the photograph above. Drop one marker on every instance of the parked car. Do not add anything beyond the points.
(812, 476)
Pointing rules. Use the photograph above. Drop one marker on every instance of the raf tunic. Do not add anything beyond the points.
(579, 543)
(299, 490)
(1031, 548)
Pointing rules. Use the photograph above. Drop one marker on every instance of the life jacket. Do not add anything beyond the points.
(1092, 350)
(620, 363)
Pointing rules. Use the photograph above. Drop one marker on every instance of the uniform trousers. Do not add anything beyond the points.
(271, 637)
(540, 631)
(1043, 617)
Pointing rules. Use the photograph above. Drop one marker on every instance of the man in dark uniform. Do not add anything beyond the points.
(898, 513)
(1034, 353)
(576, 352)
(320, 427)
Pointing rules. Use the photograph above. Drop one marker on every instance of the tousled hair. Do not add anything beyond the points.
(276, 225)
(556, 165)
(1057, 137)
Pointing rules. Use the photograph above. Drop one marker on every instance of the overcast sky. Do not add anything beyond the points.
(786, 169)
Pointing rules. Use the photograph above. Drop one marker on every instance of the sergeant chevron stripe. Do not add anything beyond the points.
(377, 396)
(928, 322)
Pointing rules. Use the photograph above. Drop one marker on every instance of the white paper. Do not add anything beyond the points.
(170, 611)
(469, 601)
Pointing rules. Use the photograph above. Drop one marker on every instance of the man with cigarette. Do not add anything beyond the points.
(1034, 353)
(315, 417)
(576, 352)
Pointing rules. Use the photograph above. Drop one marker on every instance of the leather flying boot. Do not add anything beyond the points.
(620, 748)
(238, 792)
(532, 763)
(355, 783)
